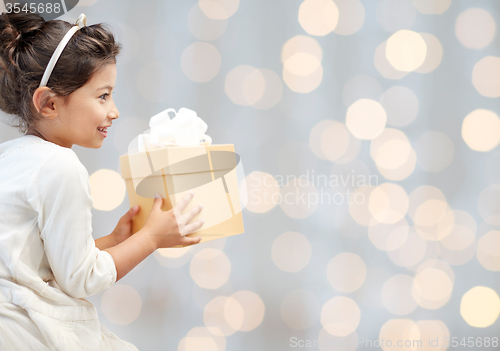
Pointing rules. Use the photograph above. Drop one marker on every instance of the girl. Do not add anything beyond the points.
(57, 80)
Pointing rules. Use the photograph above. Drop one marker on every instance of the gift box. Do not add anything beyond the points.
(208, 170)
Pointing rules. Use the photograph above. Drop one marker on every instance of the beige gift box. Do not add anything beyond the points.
(208, 170)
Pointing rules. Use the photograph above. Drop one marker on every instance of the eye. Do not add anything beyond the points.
(104, 96)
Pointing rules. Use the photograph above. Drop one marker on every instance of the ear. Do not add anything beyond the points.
(45, 102)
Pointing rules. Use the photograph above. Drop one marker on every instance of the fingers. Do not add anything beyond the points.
(192, 227)
(181, 205)
(188, 216)
(190, 241)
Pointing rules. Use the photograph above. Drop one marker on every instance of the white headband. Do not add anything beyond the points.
(82, 19)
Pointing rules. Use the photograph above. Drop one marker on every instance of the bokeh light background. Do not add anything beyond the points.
(382, 114)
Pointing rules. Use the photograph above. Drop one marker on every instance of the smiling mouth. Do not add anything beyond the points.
(103, 131)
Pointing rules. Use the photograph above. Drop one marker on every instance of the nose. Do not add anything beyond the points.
(114, 113)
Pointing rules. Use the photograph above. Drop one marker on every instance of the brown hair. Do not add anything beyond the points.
(27, 43)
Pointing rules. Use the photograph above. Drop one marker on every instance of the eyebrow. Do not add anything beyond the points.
(105, 87)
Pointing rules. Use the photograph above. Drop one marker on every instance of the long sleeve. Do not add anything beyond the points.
(60, 192)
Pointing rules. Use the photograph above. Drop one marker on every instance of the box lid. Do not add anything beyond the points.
(179, 160)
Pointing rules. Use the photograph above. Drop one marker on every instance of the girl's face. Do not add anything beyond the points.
(84, 112)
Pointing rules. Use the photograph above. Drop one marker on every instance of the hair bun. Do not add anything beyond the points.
(17, 26)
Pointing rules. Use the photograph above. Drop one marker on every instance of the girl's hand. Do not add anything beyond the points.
(123, 229)
(169, 228)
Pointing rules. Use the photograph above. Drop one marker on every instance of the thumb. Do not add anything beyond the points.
(133, 211)
(158, 201)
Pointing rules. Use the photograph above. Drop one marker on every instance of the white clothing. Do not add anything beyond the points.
(48, 259)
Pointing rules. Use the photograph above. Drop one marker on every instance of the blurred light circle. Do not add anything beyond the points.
(434, 54)
(107, 189)
(303, 84)
(433, 330)
(401, 105)
(388, 203)
(302, 64)
(438, 264)
(253, 87)
(351, 16)
(383, 66)
(432, 7)
(481, 130)
(272, 92)
(174, 252)
(334, 141)
(318, 17)
(402, 172)
(406, 50)
(475, 28)
(388, 237)
(262, 189)
(456, 257)
(233, 85)
(480, 307)
(488, 251)
(393, 154)
(300, 198)
(434, 151)
(203, 27)
(253, 309)
(340, 316)
(430, 212)
(223, 316)
(361, 87)
(219, 9)
(411, 252)
(200, 62)
(366, 119)
(249, 86)
(486, 76)
(434, 285)
(301, 44)
(463, 233)
(316, 137)
(395, 330)
(210, 268)
(201, 338)
(300, 309)
(397, 295)
(425, 216)
(291, 252)
(346, 272)
(121, 304)
(442, 223)
(403, 164)
(394, 15)
(400, 162)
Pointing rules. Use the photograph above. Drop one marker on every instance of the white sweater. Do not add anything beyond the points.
(48, 259)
